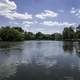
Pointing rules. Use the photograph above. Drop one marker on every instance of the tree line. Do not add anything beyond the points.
(8, 33)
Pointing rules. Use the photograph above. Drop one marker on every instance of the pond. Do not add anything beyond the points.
(40, 60)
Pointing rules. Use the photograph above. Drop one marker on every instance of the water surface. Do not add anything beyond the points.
(40, 60)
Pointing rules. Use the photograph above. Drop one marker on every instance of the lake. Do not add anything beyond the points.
(40, 60)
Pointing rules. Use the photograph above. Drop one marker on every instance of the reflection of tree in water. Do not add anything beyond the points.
(7, 44)
(8, 47)
(78, 54)
(68, 46)
(77, 48)
(60, 71)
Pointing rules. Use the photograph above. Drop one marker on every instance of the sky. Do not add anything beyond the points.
(47, 16)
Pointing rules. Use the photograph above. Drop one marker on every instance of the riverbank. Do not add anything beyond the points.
(18, 34)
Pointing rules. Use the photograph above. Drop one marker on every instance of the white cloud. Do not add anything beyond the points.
(7, 5)
(46, 13)
(27, 22)
(75, 12)
(55, 23)
(8, 10)
(55, 26)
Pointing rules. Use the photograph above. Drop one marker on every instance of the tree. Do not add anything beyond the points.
(68, 33)
(46, 36)
(52, 37)
(39, 36)
(29, 36)
(78, 32)
(19, 29)
(10, 34)
(58, 36)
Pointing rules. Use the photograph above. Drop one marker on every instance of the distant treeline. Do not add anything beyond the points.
(8, 33)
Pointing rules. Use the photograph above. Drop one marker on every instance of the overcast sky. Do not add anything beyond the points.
(46, 16)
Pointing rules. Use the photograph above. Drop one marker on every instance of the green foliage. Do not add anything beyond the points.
(47, 37)
(78, 32)
(58, 36)
(68, 33)
(29, 36)
(52, 36)
(77, 35)
(39, 36)
(19, 29)
(17, 34)
(10, 34)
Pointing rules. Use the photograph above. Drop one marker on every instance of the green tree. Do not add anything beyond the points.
(58, 36)
(29, 36)
(46, 37)
(78, 32)
(52, 37)
(19, 29)
(68, 33)
(10, 34)
(39, 36)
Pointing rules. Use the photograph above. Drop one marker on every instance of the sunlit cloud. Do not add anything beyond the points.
(46, 14)
(56, 23)
(75, 12)
(8, 10)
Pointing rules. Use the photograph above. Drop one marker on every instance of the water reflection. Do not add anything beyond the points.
(63, 70)
(6, 70)
(40, 60)
(77, 49)
(71, 47)
(68, 46)
(10, 47)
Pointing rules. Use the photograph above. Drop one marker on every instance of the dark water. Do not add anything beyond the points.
(40, 60)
